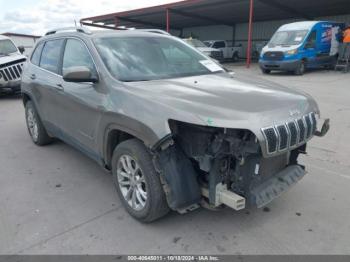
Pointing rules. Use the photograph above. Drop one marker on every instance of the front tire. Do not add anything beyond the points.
(35, 127)
(137, 182)
(301, 68)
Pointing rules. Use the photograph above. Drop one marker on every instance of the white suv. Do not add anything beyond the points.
(11, 63)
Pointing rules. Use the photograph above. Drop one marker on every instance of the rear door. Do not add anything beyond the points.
(82, 103)
(47, 81)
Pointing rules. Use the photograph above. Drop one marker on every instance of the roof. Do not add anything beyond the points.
(85, 33)
(306, 25)
(190, 13)
(21, 35)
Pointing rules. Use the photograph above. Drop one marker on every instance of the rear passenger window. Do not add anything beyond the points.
(36, 54)
(50, 56)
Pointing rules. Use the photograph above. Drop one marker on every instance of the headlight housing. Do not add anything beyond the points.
(291, 52)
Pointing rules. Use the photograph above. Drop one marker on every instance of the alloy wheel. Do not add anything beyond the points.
(132, 182)
(32, 124)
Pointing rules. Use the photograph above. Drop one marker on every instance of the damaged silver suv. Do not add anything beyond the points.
(174, 128)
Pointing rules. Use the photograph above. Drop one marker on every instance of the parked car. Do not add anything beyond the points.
(211, 52)
(299, 46)
(11, 63)
(229, 51)
(171, 125)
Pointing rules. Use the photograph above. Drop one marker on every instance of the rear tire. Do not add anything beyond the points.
(300, 69)
(137, 182)
(35, 127)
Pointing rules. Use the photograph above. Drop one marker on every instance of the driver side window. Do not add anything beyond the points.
(311, 41)
(76, 54)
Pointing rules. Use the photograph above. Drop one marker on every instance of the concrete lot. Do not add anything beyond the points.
(54, 200)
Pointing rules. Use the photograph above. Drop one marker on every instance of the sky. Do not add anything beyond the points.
(39, 16)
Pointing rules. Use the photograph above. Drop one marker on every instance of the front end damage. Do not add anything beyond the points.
(222, 166)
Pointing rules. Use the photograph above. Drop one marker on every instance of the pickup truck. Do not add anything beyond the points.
(217, 54)
(11, 63)
(229, 51)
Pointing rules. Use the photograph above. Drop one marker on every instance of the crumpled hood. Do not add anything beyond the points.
(218, 100)
(10, 58)
(228, 101)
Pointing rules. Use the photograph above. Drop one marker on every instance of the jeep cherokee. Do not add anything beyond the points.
(175, 129)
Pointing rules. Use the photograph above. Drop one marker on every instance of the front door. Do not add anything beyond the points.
(310, 50)
(81, 106)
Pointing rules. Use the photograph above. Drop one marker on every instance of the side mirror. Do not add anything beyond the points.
(78, 74)
(21, 49)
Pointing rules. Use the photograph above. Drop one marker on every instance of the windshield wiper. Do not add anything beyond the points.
(4, 54)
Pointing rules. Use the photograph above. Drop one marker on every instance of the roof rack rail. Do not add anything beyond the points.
(157, 31)
(77, 29)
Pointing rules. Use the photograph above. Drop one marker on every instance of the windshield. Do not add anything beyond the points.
(7, 47)
(150, 58)
(195, 43)
(288, 38)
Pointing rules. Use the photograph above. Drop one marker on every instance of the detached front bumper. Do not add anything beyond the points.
(289, 65)
(276, 185)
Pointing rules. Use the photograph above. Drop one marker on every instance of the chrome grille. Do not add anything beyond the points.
(11, 72)
(283, 137)
(302, 129)
(289, 135)
(293, 132)
(308, 126)
(271, 136)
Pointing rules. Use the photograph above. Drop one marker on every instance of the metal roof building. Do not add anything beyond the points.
(235, 20)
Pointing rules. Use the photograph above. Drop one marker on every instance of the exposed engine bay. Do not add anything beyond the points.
(223, 166)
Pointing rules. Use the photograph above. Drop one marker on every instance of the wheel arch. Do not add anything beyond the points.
(114, 134)
(26, 98)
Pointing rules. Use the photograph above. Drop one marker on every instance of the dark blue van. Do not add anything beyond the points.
(299, 46)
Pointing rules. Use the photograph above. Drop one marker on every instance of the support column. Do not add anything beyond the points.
(116, 22)
(250, 30)
(167, 20)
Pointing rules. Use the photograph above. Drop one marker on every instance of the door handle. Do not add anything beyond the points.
(33, 76)
(59, 87)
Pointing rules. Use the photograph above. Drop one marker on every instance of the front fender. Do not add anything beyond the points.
(133, 127)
